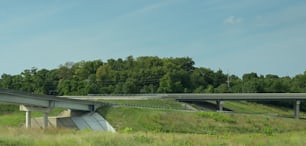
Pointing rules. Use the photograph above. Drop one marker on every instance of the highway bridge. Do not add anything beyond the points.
(296, 98)
(43, 103)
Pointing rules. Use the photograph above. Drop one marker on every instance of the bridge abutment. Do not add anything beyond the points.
(29, 109)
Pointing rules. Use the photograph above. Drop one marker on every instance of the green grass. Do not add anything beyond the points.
(8, 108)
(54, 137)
(256, 108)
(169, 121)
(141, 126)
(155, 103)
(11, 116)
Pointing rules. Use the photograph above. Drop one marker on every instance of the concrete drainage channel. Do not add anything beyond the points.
(76, 120)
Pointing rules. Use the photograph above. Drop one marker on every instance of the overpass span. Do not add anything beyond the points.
(43, 103)
(47, 101)
(239, 96)
(199, 96)
(297, 98)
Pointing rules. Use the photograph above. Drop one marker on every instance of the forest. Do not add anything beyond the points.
(145, 75)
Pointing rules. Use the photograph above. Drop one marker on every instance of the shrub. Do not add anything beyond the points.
(219, 117)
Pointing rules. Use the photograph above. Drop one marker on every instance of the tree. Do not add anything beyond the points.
(64, 87)
(103, 75)
(148, 89)
(200, 79)
(275, 84)
(219, 78)
(129, 86)
(298, 83)
(252, 83)
(170, 84)
(40, 81)
(7, 81)
(223, 88)
(28, 83)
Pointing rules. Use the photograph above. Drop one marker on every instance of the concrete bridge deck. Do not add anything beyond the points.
(240, 96)
(296, 98)
(43, 103)
(200, 96)
(47, 101)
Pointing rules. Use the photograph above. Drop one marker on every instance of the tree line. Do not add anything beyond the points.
(145, 75)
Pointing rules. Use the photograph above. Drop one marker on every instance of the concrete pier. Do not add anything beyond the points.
(220, 105)
(297, 109)
(46, 121)
(30, 109)
(28, 119)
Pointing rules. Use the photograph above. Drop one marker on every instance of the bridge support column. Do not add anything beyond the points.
(45, 121)
(28, 119)
(297, 109)
(30, 109)
(220, 105)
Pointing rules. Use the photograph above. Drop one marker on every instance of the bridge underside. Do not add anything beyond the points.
(216, 97)
(43, 103)
(75, 120)
(220, 105)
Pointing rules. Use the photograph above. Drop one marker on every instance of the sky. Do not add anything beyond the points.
(236, 36)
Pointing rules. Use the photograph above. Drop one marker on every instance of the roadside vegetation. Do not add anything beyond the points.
(127, 119)
(160, 127)
(59, 137)
(259, 108)
(150, 103)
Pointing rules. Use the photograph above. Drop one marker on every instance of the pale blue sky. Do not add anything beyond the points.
(237, 36)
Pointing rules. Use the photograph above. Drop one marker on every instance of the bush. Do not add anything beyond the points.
(219, 117)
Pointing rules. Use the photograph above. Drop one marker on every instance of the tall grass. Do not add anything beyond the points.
(146, 120)
(139, 126)
(54, 137)
(155, 103)
(257, 108)
(8, 108)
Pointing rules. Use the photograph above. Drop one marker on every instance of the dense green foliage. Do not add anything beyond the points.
(146, 75)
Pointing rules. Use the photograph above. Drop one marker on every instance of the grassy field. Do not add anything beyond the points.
(154, 103)
(141, 126)
(170, 121)
(256, 108)
(53, 137)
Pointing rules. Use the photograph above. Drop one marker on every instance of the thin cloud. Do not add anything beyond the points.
(149, 8)
(232, 20)
(152, 7)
